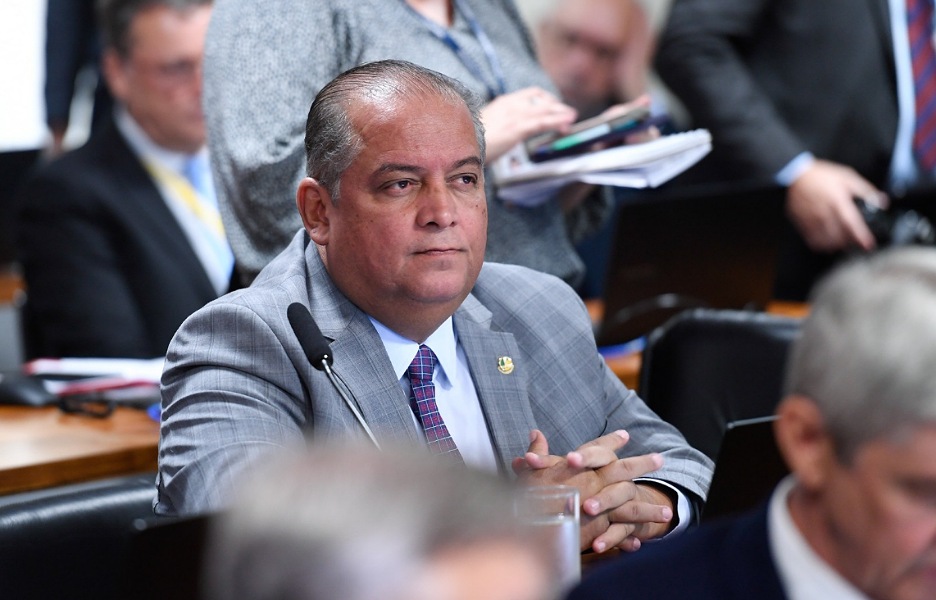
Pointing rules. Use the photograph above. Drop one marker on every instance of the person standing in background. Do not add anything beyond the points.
(819, 97)
(73, 46)
(266, 60)
(598, 54)
(23, 134)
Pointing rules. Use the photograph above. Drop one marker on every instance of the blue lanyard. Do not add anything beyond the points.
(443, 35)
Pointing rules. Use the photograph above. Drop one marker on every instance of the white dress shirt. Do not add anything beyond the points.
(455, 392)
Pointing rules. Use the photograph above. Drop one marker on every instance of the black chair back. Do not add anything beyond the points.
(71, 541)
(706, 368)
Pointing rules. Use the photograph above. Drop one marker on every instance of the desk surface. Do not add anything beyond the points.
(43, 447)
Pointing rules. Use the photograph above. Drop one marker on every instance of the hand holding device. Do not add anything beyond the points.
(610, 127)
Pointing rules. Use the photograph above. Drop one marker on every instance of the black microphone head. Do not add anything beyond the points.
(309, 335)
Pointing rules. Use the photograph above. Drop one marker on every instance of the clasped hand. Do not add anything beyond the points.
(616, 511)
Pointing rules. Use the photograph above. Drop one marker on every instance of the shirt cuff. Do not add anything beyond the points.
(793, 169)
(683, 506)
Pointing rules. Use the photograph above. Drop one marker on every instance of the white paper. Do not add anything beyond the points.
(648, 164)
(132, 369)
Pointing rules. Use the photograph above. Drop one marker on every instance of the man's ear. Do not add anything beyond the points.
(314, 204)
(114, 71)
(804, 441)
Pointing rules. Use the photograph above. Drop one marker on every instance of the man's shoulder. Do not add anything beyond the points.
(506, 280)
(714, 560)
(92, 165)
(522, 300)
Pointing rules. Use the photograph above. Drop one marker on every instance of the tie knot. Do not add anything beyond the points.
(423, 364)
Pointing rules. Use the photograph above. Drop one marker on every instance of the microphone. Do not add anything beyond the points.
(310, 336)
(318, 353)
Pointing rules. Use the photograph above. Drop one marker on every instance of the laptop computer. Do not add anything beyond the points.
(700, 246)
(748, 468)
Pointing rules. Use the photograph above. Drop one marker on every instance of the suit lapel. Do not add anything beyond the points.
(366, 369)
(359, 359)
(145, 205)
(503, 394)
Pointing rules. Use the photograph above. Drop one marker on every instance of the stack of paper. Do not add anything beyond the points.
(646, 164)
(121, 380)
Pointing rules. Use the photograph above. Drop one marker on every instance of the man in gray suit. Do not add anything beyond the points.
(395, 206)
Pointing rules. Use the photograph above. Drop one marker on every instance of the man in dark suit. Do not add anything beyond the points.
(857, 517)
(816, 96)
(120, 240)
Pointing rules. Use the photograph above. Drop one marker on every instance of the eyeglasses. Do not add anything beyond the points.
(172, 74)
(90, 405)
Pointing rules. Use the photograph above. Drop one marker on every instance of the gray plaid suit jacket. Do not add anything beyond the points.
(237, 383)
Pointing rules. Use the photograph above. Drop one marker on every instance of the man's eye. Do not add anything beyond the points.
(468, 179)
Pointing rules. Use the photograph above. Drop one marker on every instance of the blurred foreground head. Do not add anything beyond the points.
(858, 425)
(357, 524)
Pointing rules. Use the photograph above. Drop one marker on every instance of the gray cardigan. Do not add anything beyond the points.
(265, 61)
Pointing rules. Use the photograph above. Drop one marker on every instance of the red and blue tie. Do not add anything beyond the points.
(422, 400)
(923, 56)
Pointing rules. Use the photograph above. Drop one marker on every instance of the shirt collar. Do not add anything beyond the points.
(401, 350)
(148, 150)
(804, 574)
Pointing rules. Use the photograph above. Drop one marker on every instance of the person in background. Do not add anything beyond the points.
(73, 47)
(856, 519)
(488, 365)
(285, 51)
(23, 134)
(598, 54)
(120, 240)
(349, 522)
(819, 97)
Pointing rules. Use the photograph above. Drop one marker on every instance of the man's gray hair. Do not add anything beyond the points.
(867, 352)
(349, 522)
(331, 141)
(115, 18)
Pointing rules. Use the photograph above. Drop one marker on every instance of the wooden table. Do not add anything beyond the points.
(44, 447)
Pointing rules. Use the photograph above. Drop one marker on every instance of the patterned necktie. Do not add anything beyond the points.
(920, 32)
(198, 173)
(422, 400)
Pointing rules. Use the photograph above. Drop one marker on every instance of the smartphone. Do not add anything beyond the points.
(608, 126)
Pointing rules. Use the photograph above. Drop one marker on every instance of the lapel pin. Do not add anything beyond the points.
(505, 365)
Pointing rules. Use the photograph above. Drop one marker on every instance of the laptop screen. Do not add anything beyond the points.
(679, 248)
(749, 465)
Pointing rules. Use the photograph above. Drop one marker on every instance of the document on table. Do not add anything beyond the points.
(122, 380)
(647, 164)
